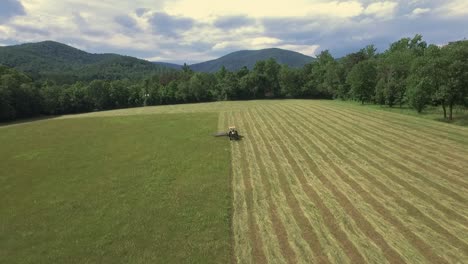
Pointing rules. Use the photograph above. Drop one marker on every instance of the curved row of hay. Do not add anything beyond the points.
(319, 182)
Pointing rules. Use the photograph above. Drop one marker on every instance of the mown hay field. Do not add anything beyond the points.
(321, 182)
(327, 182)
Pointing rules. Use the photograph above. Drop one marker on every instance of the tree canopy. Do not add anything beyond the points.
(409, 72)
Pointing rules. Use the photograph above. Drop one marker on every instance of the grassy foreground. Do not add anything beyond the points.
(312, 182)
(130, 189)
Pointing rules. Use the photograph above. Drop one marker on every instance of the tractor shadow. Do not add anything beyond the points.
(239, 139)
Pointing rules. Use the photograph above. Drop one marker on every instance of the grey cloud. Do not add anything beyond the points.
(30, 30)
(8, 42)
(10, 9)
(128, 24)
(93, 47)
(85, 28)
(232, 22)
(126, 21)
(171, 26)
(352, 35)
(382, 34)
(296, 29)
(141, 11)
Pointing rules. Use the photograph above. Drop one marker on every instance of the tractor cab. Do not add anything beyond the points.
(232, 133)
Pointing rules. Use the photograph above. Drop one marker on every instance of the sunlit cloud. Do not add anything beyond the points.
(381, 9)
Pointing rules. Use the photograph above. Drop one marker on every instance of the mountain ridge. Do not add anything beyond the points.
(50, 59)
(238, 59)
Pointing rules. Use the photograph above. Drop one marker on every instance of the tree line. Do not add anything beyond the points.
(410, 72)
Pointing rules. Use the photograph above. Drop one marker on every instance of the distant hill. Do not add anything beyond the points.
(65, 64)
(236, 60)
(168, 65)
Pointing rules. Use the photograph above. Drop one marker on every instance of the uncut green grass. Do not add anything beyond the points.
(124, 189)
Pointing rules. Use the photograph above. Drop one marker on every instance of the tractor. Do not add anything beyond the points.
(232, 133)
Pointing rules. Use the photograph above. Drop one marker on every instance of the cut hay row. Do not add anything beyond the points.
(436, 179)
(316, 186)
(262, 204)
(435, 144)
(387, 216)
(430, 222)
(329, 132)
(450, 213)
(408, 127)
(407, 146)
(403, 131)
(284, 196)
(367, 248)
(245, 232)
(405, 120)
(313, 243)
(404, 164)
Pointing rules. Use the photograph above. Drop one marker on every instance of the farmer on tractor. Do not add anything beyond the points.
(233, 134)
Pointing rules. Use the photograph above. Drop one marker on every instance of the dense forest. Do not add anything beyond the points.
(49, 60)
(410, 72)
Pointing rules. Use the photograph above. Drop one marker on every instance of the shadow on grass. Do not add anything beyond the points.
(239, 139)
(461, 120)
(460, 115)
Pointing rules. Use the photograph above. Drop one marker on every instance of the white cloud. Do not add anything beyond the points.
(264, 41)
(248, 43)
(455, 8)
(221, 45)
(298, 25)
(206, 10)
(381, 9)
(416, 2)
(417, 12)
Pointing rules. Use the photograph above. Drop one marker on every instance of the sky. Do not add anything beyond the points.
(192, 31)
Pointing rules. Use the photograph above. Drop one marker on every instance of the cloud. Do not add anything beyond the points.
(309, 50)
(251, 43)
(85, 27)
(264, 41)
(31, 30)
(168, 25)
(203, 10)
(127, 22)
(455, 8)
(10, 9)
(197, 30)
(381, 9)
(302, 30)
(232, 22)
(141, 11)
(417, 12)
(342, 9)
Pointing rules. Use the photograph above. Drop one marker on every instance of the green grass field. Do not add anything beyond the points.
(460, 114)
(310, 182)
(133, 189)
